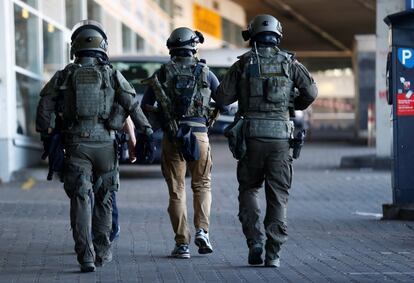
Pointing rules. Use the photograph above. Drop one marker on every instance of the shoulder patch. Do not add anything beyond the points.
(123, 83)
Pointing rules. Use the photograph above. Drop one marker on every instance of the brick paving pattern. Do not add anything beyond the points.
(335, 231)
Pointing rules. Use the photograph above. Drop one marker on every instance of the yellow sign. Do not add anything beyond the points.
(206, 20)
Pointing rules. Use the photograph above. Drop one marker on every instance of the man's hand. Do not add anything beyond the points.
(132, 142)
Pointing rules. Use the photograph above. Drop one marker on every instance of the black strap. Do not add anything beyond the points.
(101, 178)
(199, 129)
(198, 69)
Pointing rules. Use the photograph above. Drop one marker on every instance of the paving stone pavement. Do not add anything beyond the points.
(335, 231)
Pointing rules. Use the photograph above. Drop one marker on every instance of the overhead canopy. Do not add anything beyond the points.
(318, 28)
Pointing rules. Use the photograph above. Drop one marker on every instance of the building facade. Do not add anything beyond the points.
(35, 43)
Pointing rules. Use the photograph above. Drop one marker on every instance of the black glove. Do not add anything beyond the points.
(46, 146)
(53, 149)
(122, 139)
(145, 148)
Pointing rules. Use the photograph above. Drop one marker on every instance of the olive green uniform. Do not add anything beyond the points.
(265, 94)
(91, 101)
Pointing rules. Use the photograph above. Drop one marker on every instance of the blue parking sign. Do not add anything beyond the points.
(406, 57)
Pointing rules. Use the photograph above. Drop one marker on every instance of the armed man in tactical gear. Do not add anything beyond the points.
(182, 89)
(263, 82)
(85, 103)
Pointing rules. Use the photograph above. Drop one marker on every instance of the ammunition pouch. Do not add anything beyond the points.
(235, 134)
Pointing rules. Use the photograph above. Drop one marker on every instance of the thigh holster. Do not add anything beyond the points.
(108, 183)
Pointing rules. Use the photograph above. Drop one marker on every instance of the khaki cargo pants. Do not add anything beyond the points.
(268, 161)
(174, 168)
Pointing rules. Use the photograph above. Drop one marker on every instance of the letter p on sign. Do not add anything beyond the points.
(405, 56)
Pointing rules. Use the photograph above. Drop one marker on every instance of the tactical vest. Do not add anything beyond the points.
(188, 88)
(265, 93)
(87, 97)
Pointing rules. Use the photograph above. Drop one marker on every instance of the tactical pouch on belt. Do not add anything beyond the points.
(235, 134)
(268, 128)
(188, 143)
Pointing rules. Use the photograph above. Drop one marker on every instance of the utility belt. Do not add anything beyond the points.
(251, 126)
(197, 124)
(99, 132)
(259, 127)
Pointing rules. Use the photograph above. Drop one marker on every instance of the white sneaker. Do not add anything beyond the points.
(203, 242)
(181, 251)
(272, 262)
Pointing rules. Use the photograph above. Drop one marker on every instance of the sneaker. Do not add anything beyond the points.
(203, 242)
(115, 233)
(87, 267)
(181, 251)
(101, 261)
(272, 262)
(255, 254)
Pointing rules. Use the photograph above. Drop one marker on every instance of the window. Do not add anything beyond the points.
(126, 39)
(27, 97)
(140, 43)
(26, 39)
(131, 41)
(32, 3)
(166, 6)
(231, 32)
(52, 49)
(135, 72)
(94, 11)
(73, 12)
(54, 9)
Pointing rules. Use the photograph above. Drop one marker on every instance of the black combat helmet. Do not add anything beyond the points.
(88, 35)
(184, 38)
(264, 28)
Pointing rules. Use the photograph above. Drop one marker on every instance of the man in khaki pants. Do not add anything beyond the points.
(182, 89)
